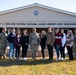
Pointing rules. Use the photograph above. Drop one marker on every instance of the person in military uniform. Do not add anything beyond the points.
(75, 42)
(3, 43)
(34, 42)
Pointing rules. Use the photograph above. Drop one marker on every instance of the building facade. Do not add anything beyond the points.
(38, 16)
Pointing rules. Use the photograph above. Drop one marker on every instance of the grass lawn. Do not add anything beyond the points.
(38, 67)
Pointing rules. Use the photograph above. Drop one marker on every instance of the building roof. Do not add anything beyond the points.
(38, 5)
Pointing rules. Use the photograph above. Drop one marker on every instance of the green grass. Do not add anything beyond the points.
(38, 67)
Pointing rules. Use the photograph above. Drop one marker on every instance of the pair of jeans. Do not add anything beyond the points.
(57, 48)
(12, 50)
(17, 52)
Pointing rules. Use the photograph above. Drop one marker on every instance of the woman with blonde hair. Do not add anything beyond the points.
(43, 43)
(70, 43)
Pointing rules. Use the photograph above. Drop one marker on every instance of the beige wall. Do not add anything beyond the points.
(44, 15)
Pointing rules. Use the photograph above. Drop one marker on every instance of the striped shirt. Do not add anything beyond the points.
(69, 40)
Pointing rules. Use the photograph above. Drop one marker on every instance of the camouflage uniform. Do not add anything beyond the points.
(75, 43)
(3, 44)
(34, 42)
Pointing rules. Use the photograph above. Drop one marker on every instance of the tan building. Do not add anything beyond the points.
(36, 15)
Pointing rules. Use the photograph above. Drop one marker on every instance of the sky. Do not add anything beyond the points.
(68, 5)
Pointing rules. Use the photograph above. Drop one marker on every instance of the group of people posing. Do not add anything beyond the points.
(57, 40)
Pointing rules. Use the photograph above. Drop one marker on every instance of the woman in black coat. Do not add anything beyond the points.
(43, 43)
(24, 43)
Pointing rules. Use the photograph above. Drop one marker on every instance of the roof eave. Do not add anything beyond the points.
(39, 5)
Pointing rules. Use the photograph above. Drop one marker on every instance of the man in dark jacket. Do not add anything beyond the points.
(10, 39)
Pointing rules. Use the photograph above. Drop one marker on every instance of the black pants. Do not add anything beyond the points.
(62, 51)
(50, 51)
(17, 52)
(70, 53)
(42, 50)
(24, 50)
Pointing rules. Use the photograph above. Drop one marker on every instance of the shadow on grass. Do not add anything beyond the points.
(6, 63)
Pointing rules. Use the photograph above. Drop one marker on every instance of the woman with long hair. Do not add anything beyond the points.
(24, 43)
(70, 43)
(17, 41)
(43, 43)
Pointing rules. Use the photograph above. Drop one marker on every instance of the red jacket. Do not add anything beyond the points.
(57, 39)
